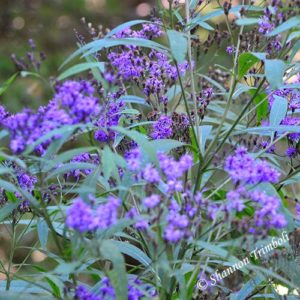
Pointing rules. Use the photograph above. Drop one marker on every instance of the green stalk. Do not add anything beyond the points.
(12, 251)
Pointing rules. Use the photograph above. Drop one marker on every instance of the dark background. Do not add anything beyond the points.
(51, 24)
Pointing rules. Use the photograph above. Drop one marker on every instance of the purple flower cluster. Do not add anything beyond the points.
(109, 117)
(245, 170)
(83, 217)
(162, 128)
(242, 168)
(230, 50)
(177, 225)
(73, 103)
(173, 170)
(83, 158)
(26, 182)
(107, 292)
(266, 215)
(153, 72)
(133, 158)
(265, 25)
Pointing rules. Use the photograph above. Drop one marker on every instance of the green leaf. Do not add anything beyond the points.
(7, 209)
(7, 83)
(70, 167)
(294, 51)
(240, 89)
(8, 186)
(219, 12)
(261, 102)
(117, 275)
(165, 145)
(245, 62)
(278, 110)
(267, 130)
(247, 288)
(108, 162)
(127, 25)
(205, 131)
(247, 21)
(81, 68)
(274, 71)
(65, 156)
(98, 45)
(287, 25)
(141, 140)
(130, 111)
(173, 91)
(43, 230)
(56, 285)
(178, 45)
(205, 25)
(134, 99)
(293, 35)
(64, 131)
(133, 251)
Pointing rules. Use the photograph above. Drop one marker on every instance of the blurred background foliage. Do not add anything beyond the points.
(51, 24)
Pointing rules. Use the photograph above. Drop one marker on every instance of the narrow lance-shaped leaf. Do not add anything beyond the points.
(287, 25)
(117, 274)
(274, 71)
(81, 68)
(278, 110)
(178, 45)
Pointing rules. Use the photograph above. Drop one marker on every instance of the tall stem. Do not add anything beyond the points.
(190, 61)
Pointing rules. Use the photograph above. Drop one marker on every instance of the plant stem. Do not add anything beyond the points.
(12, 251)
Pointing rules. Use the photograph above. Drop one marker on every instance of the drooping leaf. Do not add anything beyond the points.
(278, 110)
(7, 83)
(133, 251)
(81, 68)
(178, 44)
(247, 21)
(274, 71)
(287, 25)
(134, 99)
(43, 230)
(117, 274)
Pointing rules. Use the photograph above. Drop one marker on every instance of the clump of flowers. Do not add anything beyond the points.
(73, 103)
(106, 291)
(83, 217)
(245, 171)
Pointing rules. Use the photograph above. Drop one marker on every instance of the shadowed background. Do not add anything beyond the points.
(51, 24)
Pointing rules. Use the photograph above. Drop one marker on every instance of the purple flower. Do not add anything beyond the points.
(107, 214)
(73, 103)
(291, 152)
(26, 181)
(176, 228)
(83, 158)
(230, 50)
(151, 174)
(162, 128)
(235, 201)
(80, 216)
(242, 168)
(265, 26)
(298, 210)
(108, 118)
(107, 292)
(152, 201)
(133, 159)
